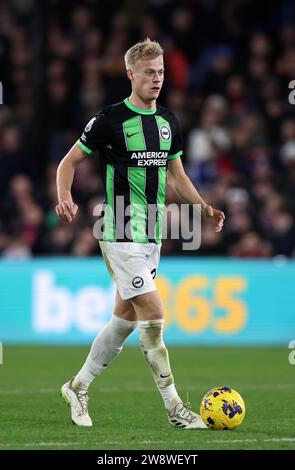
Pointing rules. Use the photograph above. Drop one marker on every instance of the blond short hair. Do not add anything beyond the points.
(146, 49)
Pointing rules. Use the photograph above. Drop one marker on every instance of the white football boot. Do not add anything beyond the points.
(77, 400)
(183, 417)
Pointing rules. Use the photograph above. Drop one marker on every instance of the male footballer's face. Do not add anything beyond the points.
(147, 78)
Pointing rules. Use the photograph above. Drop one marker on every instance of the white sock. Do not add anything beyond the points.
(106, 346)
(170, 397)
(156, 354)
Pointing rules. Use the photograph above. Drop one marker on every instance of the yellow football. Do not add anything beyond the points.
(222, 408)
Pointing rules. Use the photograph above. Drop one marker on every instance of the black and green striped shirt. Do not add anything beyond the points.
(134, 147)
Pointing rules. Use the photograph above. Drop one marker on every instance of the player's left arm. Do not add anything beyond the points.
(180, 182)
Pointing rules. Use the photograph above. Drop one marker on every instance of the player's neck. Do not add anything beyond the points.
(139, 103)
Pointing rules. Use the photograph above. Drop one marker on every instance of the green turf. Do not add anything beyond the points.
(126, 409)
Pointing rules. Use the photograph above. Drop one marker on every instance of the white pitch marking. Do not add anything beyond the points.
(136, 388)
(147, 442)
(273, 439)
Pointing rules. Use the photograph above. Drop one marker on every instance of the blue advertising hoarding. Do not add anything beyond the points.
(206, 301)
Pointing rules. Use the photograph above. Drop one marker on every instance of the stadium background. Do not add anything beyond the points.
(228, 69)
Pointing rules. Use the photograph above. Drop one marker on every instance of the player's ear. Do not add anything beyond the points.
(130, 74)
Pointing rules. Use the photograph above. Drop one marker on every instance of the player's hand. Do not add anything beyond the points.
(215, 216)
(66, 211)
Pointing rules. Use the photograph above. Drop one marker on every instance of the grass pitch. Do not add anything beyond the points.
(127, 410)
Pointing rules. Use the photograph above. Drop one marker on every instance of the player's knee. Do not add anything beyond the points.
(151, 334)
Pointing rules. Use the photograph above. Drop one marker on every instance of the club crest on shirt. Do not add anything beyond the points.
(165, 132)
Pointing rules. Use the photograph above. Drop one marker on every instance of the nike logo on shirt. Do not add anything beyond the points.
(131, 135)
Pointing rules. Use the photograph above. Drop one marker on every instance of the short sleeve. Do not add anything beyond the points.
(176, 146)
(94, 135)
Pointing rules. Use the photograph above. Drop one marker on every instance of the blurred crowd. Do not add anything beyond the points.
(228, 69)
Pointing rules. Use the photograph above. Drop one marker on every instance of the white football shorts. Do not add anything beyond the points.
(133, 266)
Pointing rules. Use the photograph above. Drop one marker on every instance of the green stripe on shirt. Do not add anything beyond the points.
(83, 147)
(176, 155)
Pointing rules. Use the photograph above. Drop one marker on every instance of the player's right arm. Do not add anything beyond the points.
(95, 135)
(66, 209)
